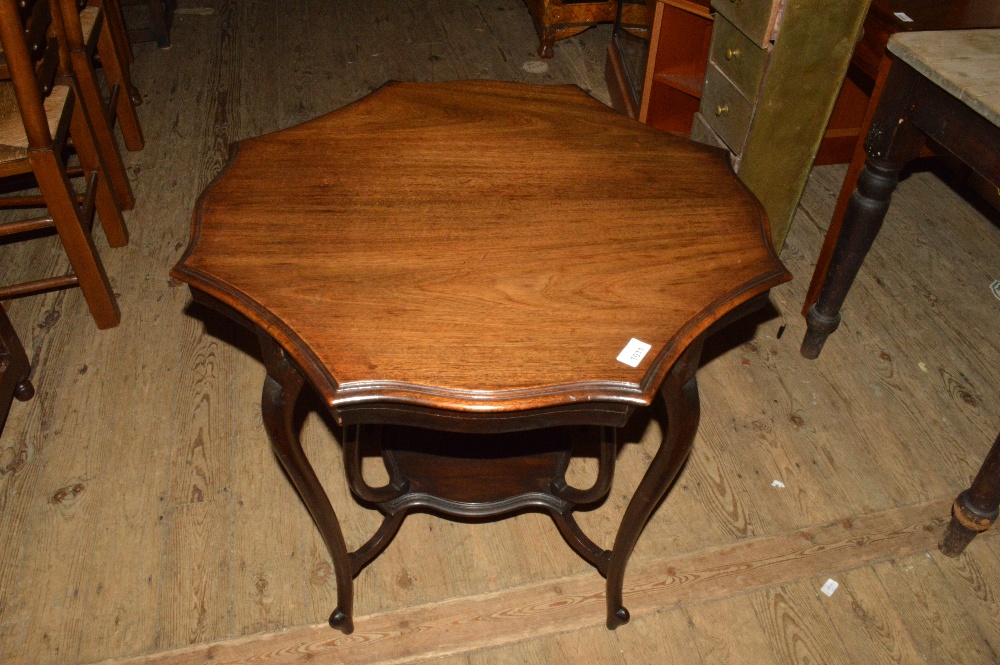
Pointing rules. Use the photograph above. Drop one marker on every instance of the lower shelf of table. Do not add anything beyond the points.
(479, 474)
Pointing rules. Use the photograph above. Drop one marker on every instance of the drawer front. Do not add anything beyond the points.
(754, 18)
(738, 57)
(726, 109)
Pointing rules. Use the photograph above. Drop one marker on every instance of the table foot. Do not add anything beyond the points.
(619, 617)
(976, 508)
(964, 526)
(341, 621)
(819, 328)
(680, 392)
(546, 41)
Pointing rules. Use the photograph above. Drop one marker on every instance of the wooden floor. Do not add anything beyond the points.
(143, 518)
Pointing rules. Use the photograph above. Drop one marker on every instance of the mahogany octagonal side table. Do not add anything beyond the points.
(468, 271)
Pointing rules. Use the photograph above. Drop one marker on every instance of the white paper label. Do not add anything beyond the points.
(778, 484)
(829, 587)
(903, 17)
(634, 352)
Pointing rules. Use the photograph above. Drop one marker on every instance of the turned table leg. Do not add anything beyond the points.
(976, 508)
(891, 142)
(680, 392)
(281, 390)
(865, 214)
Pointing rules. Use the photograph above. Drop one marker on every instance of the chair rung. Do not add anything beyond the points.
(74, 171)
(24, 225)
(34, 201)
(113, 104)
(38, 286)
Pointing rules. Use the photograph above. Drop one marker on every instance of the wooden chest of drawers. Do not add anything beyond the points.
(773, 75)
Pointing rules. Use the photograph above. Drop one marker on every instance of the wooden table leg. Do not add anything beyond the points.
(850, 182)
(976, 508)
(865, 214)
(680, 392)
(891, 142)
(281, 390)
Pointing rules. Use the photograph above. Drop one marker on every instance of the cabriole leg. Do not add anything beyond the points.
(680, 392)
(281, 390)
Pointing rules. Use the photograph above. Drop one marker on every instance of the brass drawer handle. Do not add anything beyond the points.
(732, 53)
(721, 109)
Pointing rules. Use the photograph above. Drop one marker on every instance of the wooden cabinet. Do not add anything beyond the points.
(774, 71)
(656, 62)
(675, 70)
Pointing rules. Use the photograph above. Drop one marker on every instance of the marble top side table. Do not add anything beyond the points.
(943, 86)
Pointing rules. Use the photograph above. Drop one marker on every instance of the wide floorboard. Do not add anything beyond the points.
(143, 518)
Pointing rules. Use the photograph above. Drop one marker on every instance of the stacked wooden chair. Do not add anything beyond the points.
(88, 29)
(96, 33)
(43, 109)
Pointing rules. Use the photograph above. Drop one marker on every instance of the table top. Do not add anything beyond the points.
(479, 246)
(916, 15)
(966, 63)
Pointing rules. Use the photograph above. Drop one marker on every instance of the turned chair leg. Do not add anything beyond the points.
(88, 92)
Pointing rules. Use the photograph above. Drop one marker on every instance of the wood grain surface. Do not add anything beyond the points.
(412, 246)
(780, 572)
(97, 537)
